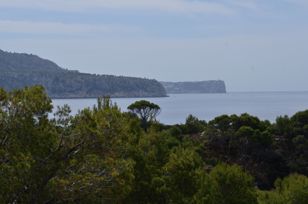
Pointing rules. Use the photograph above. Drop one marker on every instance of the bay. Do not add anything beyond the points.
(176, 107)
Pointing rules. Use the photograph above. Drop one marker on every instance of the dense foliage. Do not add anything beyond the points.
(20, 70)
(146, 111)
(102, 155)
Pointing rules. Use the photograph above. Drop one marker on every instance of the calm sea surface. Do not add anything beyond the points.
(175, 109)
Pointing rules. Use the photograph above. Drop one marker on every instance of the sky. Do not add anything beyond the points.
(253, 45)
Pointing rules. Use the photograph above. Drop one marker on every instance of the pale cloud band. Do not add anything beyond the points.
(178, 6)
(220, 7)
(38, 28)
(217, 7)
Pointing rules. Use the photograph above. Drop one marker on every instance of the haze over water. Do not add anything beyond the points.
(176, 108)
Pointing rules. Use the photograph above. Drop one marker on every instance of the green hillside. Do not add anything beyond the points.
(20, 70)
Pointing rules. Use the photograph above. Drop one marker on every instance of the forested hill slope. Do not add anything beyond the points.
(20, 70)
(214, 86)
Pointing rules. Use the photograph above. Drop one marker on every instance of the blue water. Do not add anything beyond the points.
(176, 107)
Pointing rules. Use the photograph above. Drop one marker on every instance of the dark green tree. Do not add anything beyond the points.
(146, 111)
(101, 155)
(181, 174)
(193, 125)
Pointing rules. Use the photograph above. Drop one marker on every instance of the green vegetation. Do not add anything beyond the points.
(102, 155)
(290, 190)
(146, 110)
(20, 70)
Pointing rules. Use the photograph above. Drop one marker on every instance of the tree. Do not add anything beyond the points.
(226, 185)
(182, 174)
(146, 111)
(292, 141)
(101, 155)
(291, 190)
(193, 125)
(65, 159)
(27, 141)
(100, 171)
(248, 142)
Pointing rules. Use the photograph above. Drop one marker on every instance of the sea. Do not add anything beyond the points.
(176, 107)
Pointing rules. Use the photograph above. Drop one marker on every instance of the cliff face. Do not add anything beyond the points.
(20, 70)
(214, 86)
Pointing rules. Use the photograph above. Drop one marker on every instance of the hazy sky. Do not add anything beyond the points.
(254, 45)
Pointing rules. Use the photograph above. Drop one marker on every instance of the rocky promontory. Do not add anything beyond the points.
(213, 86)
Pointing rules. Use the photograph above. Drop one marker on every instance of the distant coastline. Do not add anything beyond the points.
(19, 70)
(114, 97)
(211, 86)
